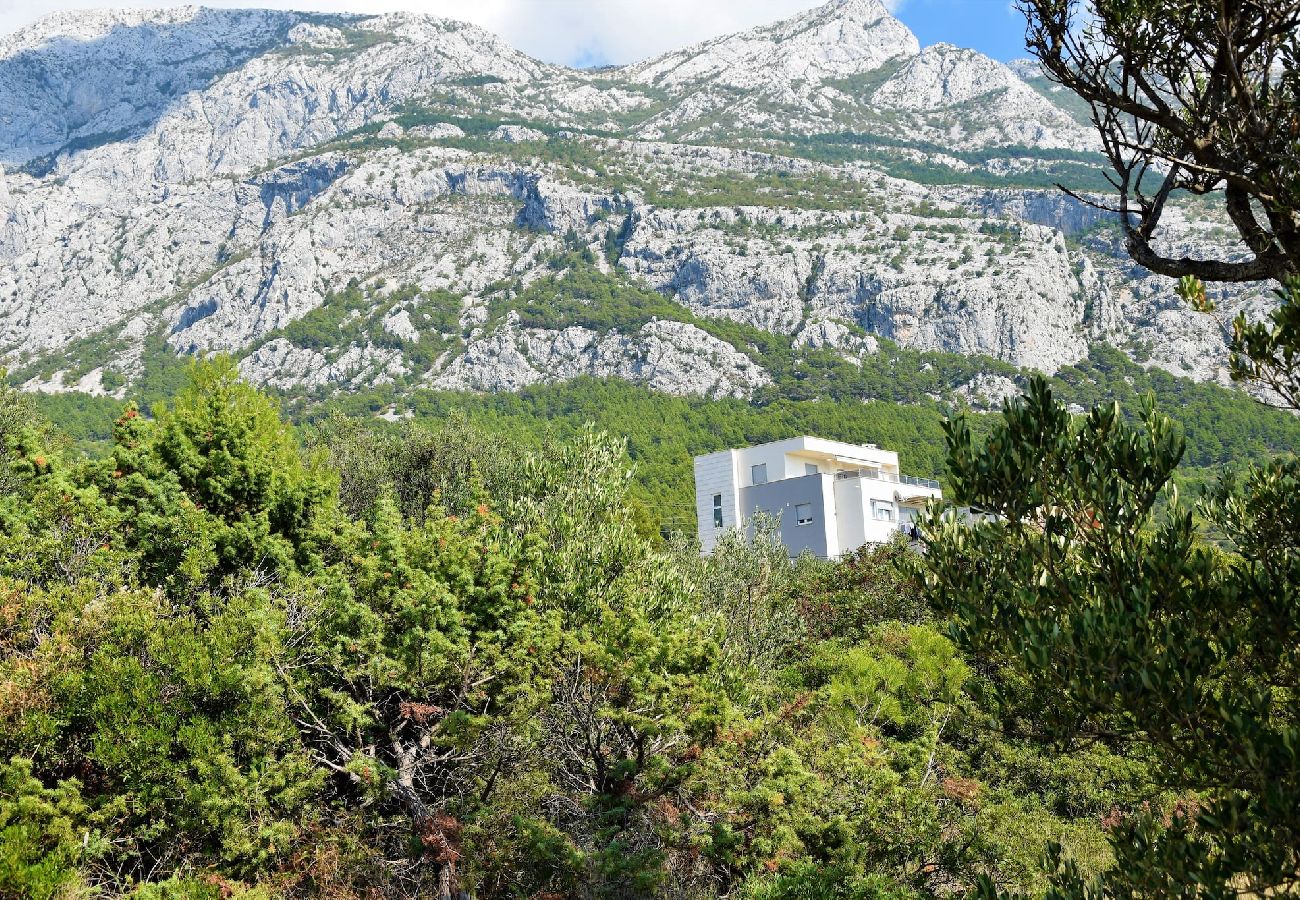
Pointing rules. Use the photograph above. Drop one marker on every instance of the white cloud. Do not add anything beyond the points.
(563, 31)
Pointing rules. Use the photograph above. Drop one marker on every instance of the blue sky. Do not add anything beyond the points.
(993, 27)
(586, 32)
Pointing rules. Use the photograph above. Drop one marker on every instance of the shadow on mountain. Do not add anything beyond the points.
(68, 95)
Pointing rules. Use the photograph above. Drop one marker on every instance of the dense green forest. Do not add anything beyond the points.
(888, 400)
(237, 663)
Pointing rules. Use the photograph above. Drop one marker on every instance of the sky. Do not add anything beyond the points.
(597, 32)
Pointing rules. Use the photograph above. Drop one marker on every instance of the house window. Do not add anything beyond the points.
(758, 473)
(717, 510)
(882, 510)
(810, 468)
(803, 514)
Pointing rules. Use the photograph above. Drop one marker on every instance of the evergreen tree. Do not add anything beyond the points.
(235, 460)
(1085, 574)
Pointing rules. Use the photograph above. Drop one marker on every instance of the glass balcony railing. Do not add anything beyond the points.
(881, 475)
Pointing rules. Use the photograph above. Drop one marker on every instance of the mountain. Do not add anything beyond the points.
(848, 65)
(346, 201)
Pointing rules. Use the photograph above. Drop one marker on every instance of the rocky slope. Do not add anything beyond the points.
(848, 65)
(345, 201)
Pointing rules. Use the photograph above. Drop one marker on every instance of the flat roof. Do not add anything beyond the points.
(810, 444)
(807, 445)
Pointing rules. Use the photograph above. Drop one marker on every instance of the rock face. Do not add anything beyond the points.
(943, 78)
(844, 37)
(279, 363)
(987, 392)
(77, 79)
(343, 201)
(673, 357)
(518, 134)
(438, 131)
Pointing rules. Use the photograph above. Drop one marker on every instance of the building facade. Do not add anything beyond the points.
(829, 497)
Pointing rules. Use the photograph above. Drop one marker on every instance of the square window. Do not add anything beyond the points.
(717, 510)
(758, 473)
(803, 513)
(882, 511)
(810, 468)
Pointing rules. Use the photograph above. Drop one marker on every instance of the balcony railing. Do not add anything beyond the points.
(880, 475)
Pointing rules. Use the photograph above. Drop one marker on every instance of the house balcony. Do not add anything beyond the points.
(881, 475)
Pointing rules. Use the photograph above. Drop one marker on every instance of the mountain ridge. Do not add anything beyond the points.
(432, 174)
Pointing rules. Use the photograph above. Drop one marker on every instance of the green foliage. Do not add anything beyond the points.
(235, 462)
(904, 678)
(163, 373)
(869, 585)
(402, 658)
(22, 433)
(783, 187)
(663, 433)
(754, 591)
(448, 469)
(86, 420)
(1130, 630)
(815, 882)
(41, 842)
(324, 327)
(356, 316)
(1218, 427)
(1268, 352)
(582, 295)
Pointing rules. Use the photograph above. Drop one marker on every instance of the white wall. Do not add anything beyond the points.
(716, 474)
(848, 514)
(857, 522)
(853, 455)
(848, 520)
(876, 531)
(786, 459)
(830, 520)
(773, 455)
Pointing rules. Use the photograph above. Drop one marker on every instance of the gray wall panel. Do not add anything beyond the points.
(780, 498)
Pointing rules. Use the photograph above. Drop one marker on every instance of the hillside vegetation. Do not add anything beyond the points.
(895, 398)
(233, 666)
(347, 539)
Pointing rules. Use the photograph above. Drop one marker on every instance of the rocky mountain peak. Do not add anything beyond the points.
(843, 37)
(945, 75)
(860, 34)
(868, 11)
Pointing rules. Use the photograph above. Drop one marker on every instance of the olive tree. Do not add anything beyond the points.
(1189, 95)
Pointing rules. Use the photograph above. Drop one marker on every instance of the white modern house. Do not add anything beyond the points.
(830, 497)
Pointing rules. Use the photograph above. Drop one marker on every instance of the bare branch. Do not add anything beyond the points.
(1196, 89)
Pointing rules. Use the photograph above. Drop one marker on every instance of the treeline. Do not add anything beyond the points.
(662, 433)
(234, 663)
(888, 400)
